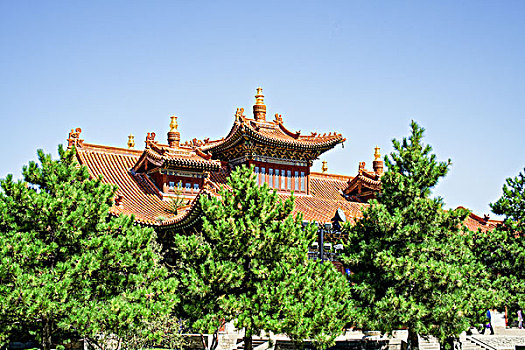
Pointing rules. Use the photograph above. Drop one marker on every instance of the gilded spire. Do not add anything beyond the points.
(131, 141)
(377, 163)
(259, 98)
(174, 134)
(259, 108)
(173, 124)
(324, 168)
(377, 155)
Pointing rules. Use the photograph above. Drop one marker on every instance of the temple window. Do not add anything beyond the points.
(172, 185)
(195, 187)
(188, 187)
(257, 175)
(290, 179)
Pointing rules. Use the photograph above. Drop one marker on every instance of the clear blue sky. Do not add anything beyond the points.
(362, 68)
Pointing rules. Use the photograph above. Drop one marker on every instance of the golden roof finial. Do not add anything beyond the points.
(324, 168)
(259, 98)
(173, 124)
(131, 141)
(259, 108)
(174, 134)
(377, 155)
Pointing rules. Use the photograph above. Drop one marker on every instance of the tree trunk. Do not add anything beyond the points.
(451, 343)
(248, 340)
(46, 334)
(413, 341)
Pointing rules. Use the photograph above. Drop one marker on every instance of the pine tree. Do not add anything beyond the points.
(249, 264)
(68, 268)
(512, 203)
(502, 250)
(411, 262)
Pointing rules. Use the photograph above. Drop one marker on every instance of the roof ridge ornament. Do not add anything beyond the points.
(324, 168)
(202, 154)
(74, 138)
(150, 138)
(259, 108)
(239, 115)
(361, 168)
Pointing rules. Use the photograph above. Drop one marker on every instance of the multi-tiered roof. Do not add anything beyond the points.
(249, 138)
(149, 180)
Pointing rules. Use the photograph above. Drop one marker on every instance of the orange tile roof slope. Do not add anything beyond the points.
(140, 197)
(323, 210)
(325, 198)
(328, 186)
(475, 223)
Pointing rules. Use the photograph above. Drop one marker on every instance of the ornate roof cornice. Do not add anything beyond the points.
(364, 180)
(167, 157)
(272, 134)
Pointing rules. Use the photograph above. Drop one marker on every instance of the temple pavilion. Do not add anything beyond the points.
(150, 179)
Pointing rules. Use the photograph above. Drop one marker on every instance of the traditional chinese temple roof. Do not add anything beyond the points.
(272, 135)
(138, 195)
